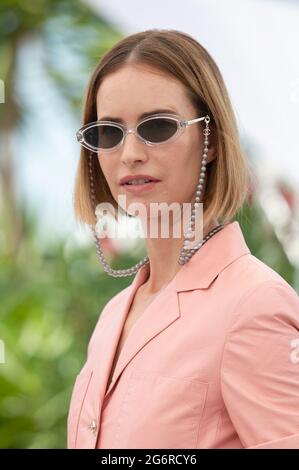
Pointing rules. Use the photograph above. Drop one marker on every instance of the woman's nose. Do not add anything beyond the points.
(133, 148)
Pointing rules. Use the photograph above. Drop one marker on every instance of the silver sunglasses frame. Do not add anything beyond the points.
(181, 126)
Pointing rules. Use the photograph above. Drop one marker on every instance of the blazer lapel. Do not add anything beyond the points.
(157, 316)
(153, 320)
(148, 325)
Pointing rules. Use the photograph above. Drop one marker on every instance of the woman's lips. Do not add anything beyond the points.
(136, 188)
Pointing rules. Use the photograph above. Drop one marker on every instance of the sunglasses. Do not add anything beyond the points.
(156, 129)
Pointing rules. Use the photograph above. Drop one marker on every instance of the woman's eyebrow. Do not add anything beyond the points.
(149, 113)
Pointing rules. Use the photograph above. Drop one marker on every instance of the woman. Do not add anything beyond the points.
(202, 349)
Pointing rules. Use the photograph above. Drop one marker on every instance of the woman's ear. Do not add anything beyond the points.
(212, 148)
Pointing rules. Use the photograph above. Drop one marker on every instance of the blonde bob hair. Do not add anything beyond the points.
(181, 56)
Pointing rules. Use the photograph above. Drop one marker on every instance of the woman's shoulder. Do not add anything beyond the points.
(109, 308)
(112, 303)
(249, 274)
(264, 296)
(256, 295)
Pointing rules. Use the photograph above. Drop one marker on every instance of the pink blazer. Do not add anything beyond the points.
(213, 361)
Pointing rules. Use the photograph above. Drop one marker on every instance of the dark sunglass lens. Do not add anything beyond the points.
(103, 136)
(158, 129)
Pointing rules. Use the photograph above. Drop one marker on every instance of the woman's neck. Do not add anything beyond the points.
(163, 255)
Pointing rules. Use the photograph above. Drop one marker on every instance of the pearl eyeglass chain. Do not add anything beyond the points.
(185, 253)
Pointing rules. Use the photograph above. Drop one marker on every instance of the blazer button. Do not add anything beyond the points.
(93, 426)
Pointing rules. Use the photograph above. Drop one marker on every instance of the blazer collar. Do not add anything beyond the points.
(198, 273)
